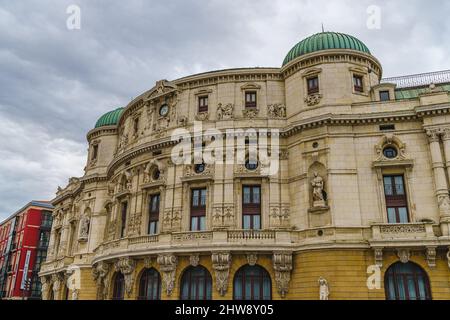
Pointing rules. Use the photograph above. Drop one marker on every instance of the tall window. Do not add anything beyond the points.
(407, 281)
(153, 214)
(396, 201)
(136, 125)
(252, 283)
(313, 85)
(196, 284)
(44, 238)
(150, 285)
(198, 209)
(119, 287)
(358, 83)
(250, 99)
(251, 207)
(123, 218)
(94, 152)
(46, 221)
(203, 104)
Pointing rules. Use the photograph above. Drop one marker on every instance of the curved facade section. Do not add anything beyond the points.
(352, 179)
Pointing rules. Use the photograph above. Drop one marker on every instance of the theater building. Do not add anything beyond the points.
(24, 238)
(359, 207)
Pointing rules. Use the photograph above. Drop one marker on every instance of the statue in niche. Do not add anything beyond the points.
(84, 227)
(319, 194)
(324, 290)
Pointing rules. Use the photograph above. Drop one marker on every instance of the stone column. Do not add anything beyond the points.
(446, 141)
(440, 179)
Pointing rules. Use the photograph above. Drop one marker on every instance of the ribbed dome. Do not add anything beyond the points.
(109, 119)
(325, 41)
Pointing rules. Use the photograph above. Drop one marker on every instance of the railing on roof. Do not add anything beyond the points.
(419, 80)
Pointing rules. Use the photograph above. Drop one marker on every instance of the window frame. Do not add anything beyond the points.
(243, 274)
(153, 215)
(198, 212)
(313, 89)
(396, 201)
(190, 276)
(356, 87)
(381, 92)
(249, 103)
(392, 278)
(251, 208)
(119, 287)
(202, 107)
(148, 275)
(123, 218)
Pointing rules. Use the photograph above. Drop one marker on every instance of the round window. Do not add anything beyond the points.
(164, 110)
(251, 165)
(199, 168)
(390, 152)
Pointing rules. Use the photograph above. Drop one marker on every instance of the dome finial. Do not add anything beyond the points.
(323, 30)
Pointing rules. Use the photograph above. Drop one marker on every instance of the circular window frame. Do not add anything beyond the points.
(164, 105)
(390, 147)
(199, 165)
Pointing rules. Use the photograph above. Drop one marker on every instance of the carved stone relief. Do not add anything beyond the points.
(221, 262)
(168, 265)
(282, 264)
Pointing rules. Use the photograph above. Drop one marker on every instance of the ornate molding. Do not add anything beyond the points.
(194, 260)
(225, 112)
(168, 265)
(202, 116)
(282, 264)
(126, 266)
(404, 255)
(252, 258)
(250, 113)
(221, 262)
(276, 111)
(313, 99)
(431, 256)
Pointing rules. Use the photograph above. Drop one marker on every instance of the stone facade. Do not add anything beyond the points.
(324, 219)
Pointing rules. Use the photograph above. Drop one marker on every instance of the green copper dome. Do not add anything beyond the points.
(325, 41)
(109, 119)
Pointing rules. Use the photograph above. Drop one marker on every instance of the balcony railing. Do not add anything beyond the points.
(234, 236)
(419, 80)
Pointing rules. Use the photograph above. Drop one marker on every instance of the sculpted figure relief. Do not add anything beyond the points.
(225, 112)
(84, 227)
(324, 290)
(319, 195)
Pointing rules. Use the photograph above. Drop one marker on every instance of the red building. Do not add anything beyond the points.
(24, 239)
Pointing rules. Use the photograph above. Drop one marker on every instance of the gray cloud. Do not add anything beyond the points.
(55, 83)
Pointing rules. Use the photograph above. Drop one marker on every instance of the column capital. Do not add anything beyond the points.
(433, 134)
(446, 133)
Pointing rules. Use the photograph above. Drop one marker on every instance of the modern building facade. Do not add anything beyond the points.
(358, 207)
(24, 239)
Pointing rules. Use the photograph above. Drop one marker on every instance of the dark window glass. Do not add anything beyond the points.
(251, 207)
(251, 165)
(313, 85)
(390, 152)
(252, 283)
(198, 210)
(358, 83)
(119, 286)
(396, 200)
(153, 214)
(250, 99)
(384, 96)
(136, 125)
(407, 281)
(196, 284)
(94, 152)
(156, 174)
(203, 104)
(123, 219)
(150, 285)
(199, 168)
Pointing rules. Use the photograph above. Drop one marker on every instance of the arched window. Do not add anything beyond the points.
(196, 284)
(150, 285)
(406, 281)
(119, 287)
(252, 283)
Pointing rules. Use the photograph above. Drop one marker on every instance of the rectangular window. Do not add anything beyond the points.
(203, 104)
(153, 214)
(251, 207)
(384, 96)
(94, 152)
(198, 209)
(123, 224)
(358, 83)
(313, 85)
(396, 201)
(250, 99)
(136, 125)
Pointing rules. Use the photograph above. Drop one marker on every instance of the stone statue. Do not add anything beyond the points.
(84, 227)
(324, 291)
(318, 191)
(75, 294)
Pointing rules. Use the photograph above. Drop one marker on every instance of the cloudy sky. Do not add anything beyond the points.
(55, 82)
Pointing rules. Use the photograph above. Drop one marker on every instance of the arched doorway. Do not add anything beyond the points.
(252, 283)
(196, 284)
(119, 287)
(150, 285)
(406, 281)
